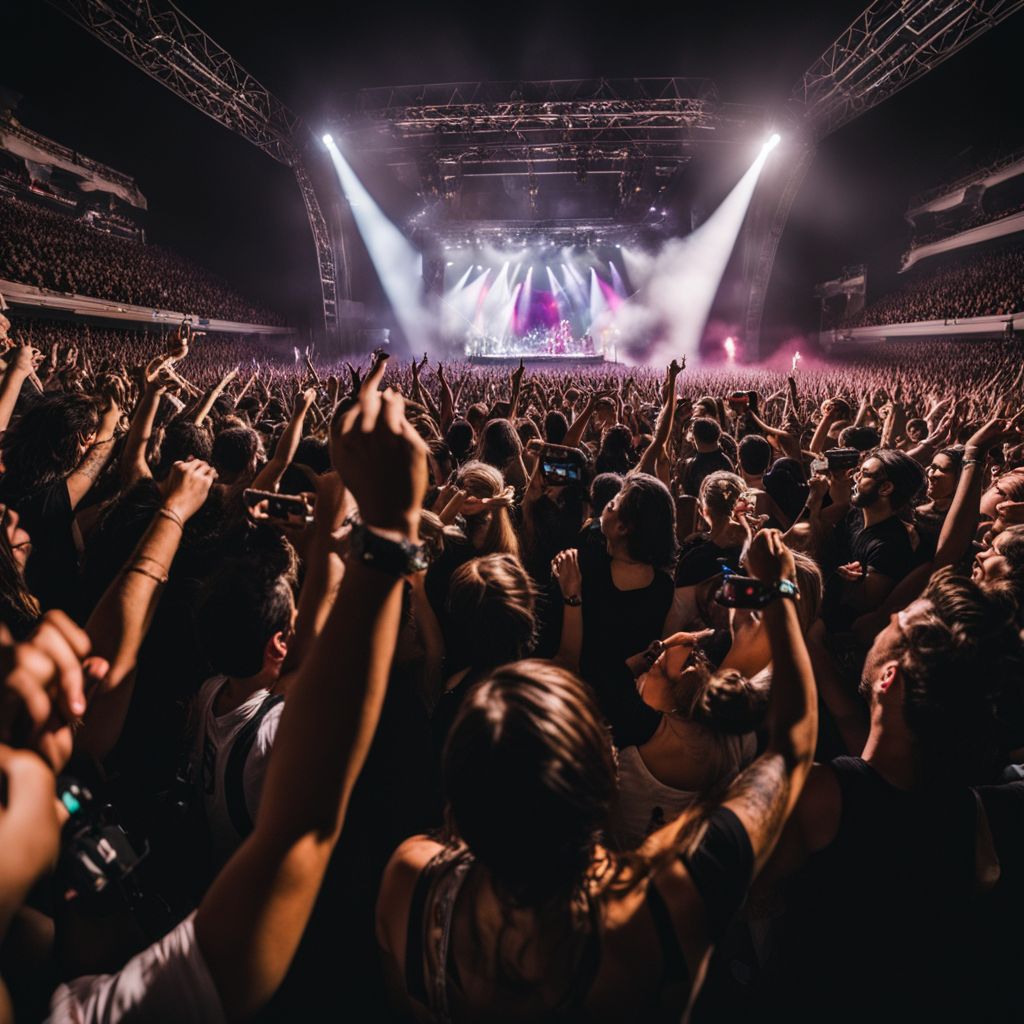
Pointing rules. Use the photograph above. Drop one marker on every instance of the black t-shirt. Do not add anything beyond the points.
(702, 465)
(618, 623)
(699, 560)
(884, 548)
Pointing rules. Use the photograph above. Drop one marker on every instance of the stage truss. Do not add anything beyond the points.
(891, 44)
(642, 131)
(169, 47)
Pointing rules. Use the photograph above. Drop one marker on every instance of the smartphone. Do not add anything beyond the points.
(743, 592)
(560, 466)
(286, 507)
(739, 398)
(842, 458)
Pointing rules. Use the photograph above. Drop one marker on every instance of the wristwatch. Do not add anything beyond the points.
(396, 557)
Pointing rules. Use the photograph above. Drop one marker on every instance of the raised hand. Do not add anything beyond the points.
(768, 558)
(988, 434)
(44, 683)
(382, 460)
(187, 487)
(565, 567)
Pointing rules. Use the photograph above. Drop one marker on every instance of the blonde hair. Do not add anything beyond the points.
(491, 531)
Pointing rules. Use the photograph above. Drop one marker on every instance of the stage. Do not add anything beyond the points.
(537, 359)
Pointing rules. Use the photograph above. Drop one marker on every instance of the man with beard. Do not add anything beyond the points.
(874, 546)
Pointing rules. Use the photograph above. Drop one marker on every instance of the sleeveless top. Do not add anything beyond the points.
(645, 803)
(721, 868)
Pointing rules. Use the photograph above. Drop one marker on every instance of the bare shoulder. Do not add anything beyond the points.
(396, 890)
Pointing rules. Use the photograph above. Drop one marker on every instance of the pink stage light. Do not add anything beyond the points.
(730, 349)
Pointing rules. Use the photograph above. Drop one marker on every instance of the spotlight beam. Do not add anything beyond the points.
(395, 259)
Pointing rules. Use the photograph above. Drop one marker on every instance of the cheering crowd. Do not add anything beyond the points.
(991, 284)
(52, 250)
(434, 692)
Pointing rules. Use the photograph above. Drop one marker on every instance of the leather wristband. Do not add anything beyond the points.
(397, 558)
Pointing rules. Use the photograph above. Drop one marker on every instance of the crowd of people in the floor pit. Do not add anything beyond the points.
(433, 692)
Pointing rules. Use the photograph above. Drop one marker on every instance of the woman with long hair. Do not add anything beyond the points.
(19, 610)
(521, 912)
(491, 619)
(501, 447)
(627, 586)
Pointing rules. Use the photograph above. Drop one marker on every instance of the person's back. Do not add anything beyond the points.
(896, 884)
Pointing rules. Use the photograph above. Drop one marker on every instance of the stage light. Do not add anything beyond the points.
(730, 349)
(653, 209)
(449, 264)
(327, 139)
(773, 140)
(675, 291)
(396, 261)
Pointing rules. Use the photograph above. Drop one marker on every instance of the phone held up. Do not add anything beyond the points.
(284, 507)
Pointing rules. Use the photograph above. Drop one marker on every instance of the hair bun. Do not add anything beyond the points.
(731, 703)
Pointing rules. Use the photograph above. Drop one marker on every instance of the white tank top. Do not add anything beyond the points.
(645, 804)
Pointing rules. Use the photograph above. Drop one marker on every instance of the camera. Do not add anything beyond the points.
(739, 398)
(96, 855)
(839, 459)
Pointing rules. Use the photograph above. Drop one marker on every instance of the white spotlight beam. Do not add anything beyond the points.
(398, 264)
(679, 287)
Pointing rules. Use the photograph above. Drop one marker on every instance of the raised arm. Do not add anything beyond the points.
(566, 569)
(81, 479)
(578, 427)
(133, 465)
(962, 519)
(211, 396)
(19, 369)
(517, 390)
(828, 417)
(249, 924)
(765, 793)
(324, 565)
(121, 619)
(269, 477)
(655, 456)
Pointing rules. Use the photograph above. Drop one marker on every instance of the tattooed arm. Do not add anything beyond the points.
(95, 459)
(764, 795)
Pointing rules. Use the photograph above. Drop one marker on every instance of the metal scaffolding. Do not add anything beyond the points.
(169, 47)
(891, 44)
(642, 131)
